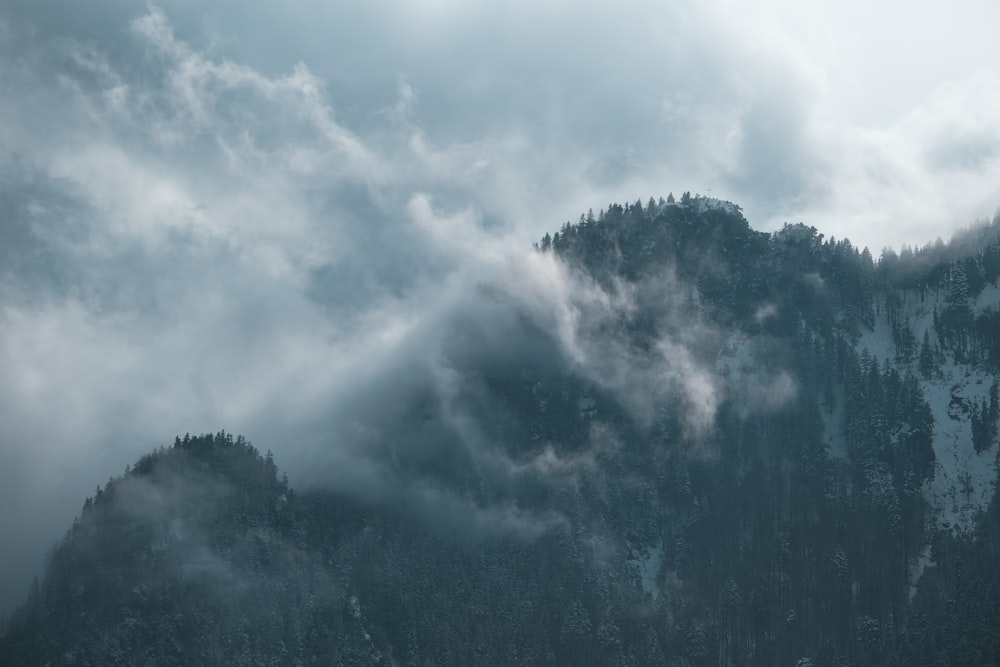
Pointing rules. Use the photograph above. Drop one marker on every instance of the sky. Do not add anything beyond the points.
(271, 218)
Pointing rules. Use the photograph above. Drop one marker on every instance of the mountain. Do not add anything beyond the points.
(724, 447)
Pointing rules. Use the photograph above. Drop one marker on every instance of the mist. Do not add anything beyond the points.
(220, 220)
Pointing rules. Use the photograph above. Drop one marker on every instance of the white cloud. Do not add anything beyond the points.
(919, 178)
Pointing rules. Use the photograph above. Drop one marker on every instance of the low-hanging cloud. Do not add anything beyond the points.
(192, 220)
(425, 425)
(294, 223)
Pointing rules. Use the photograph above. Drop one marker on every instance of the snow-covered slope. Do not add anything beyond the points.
(964, 480)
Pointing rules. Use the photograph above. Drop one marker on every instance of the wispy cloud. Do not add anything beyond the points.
(282, 220)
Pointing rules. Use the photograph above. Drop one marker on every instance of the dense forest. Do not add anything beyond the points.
(837, 509)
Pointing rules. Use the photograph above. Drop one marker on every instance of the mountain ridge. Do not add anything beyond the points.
(770, 449)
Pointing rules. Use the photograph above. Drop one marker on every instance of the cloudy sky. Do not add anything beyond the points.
(241, 215)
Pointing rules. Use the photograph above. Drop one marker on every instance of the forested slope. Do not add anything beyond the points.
(784, 455)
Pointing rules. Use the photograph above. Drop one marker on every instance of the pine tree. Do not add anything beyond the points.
(958, 294)
(995, 400)
(977, 429)
(926, 358)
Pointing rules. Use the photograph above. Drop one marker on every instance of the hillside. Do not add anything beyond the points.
(751, 448)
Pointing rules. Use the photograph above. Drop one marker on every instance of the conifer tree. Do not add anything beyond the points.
(926, 358)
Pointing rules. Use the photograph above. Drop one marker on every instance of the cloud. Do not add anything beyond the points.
(939, 162)
(284, 220)
(422, 426)
(216, 208)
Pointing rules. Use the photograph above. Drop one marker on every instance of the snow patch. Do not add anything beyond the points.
(917, 568)
(702, 204)
(964, 480)
(834, 427)
(878, 342)
(918, 310)
(649, 563)
(988, 300)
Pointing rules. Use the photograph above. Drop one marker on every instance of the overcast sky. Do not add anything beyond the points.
(233, 215)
